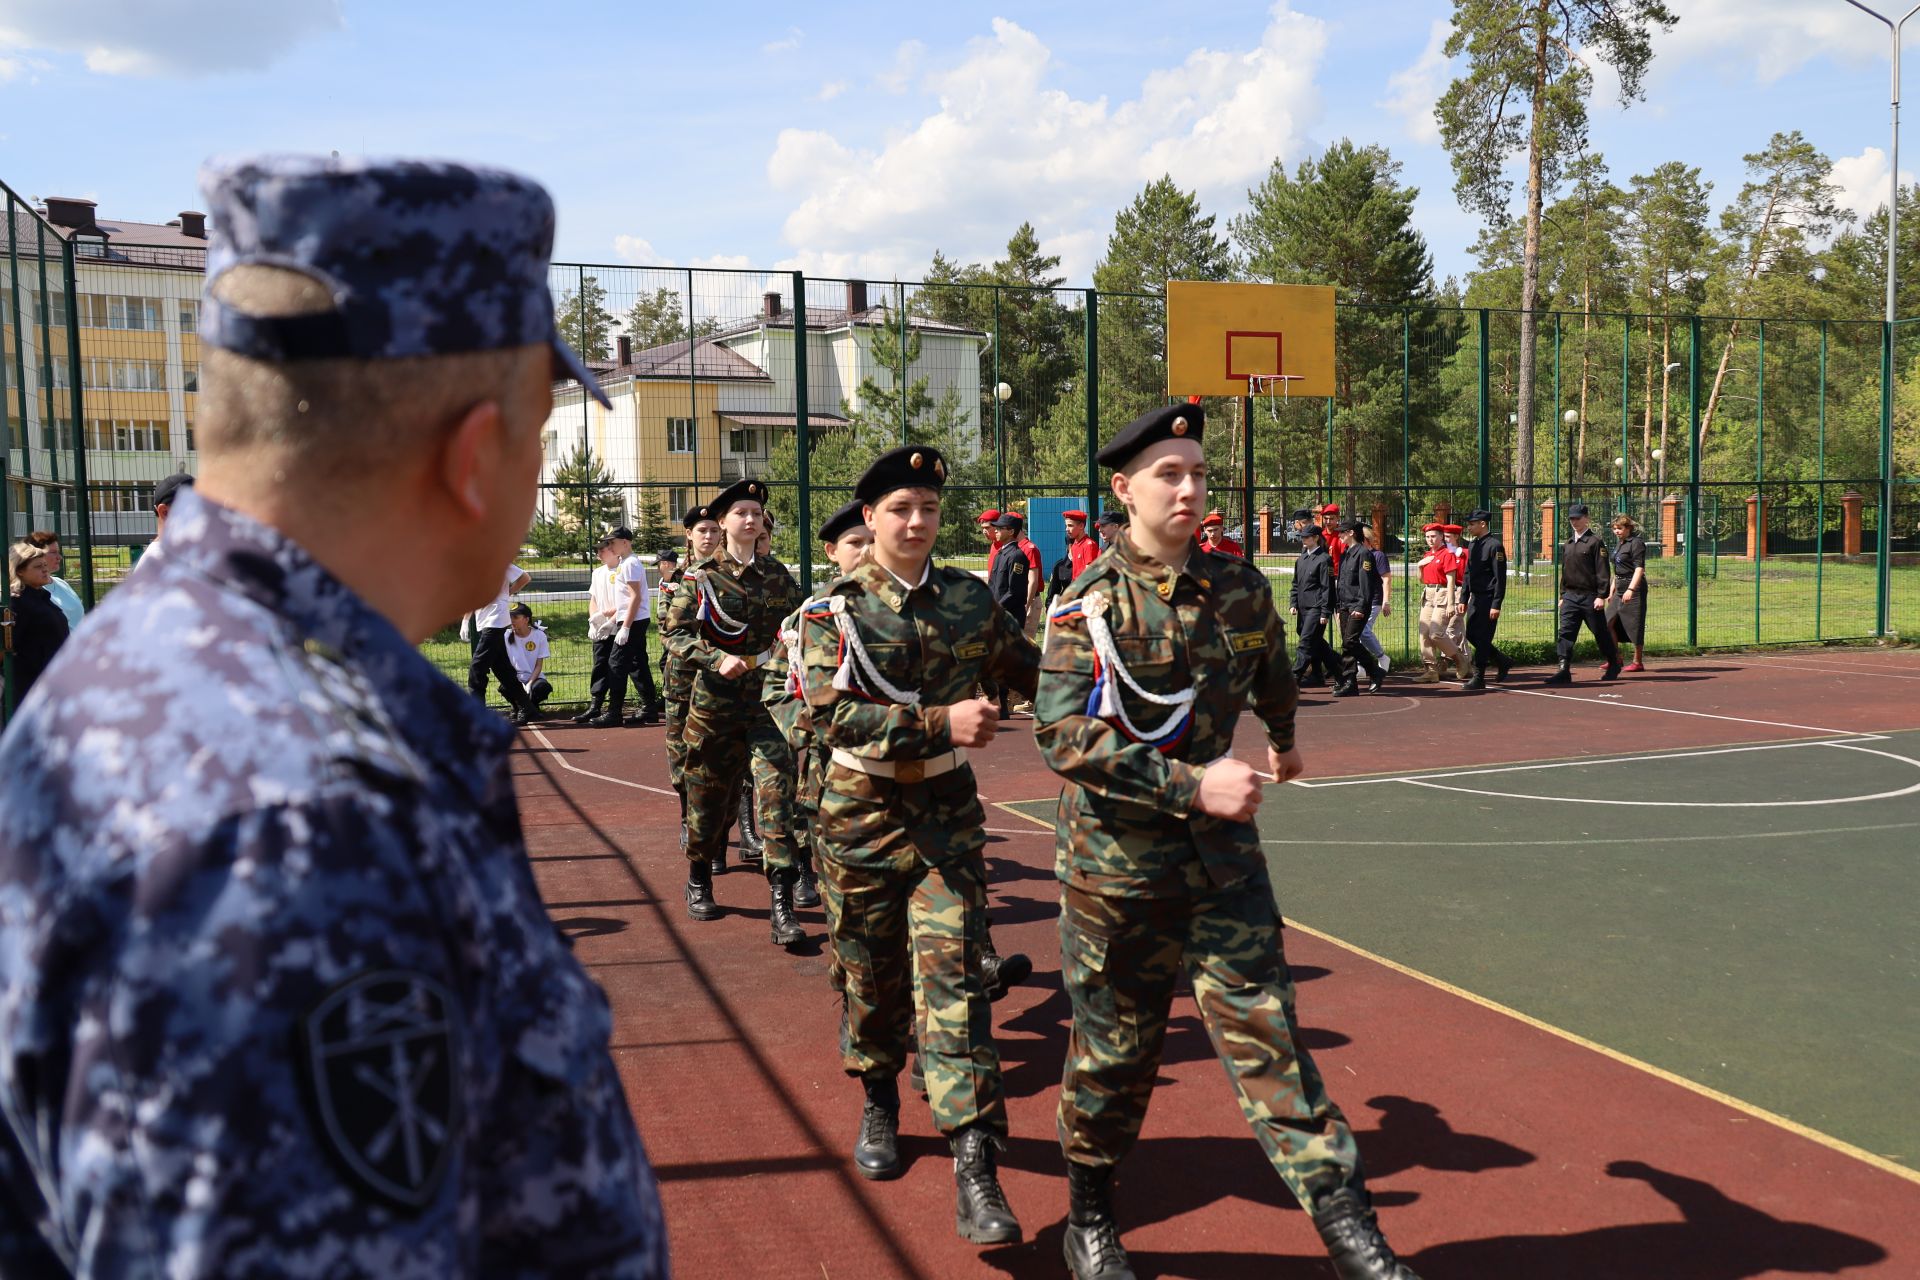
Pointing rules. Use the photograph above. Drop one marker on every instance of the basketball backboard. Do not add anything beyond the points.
(1221, 336)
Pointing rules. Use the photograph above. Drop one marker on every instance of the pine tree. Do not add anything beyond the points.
(651, 532)
(583, 318)
(586, 498)
(658, 318)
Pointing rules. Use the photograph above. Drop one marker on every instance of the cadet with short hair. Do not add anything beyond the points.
(1311, 599)
(1486, 578)
(1357, 593)
(890, 658)
(1585, 580)
(703, 535)
(725, 623)
(280, 995)
(1150, 659)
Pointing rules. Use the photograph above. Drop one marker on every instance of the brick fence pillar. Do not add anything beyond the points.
(1850, 505)
(1548, 530)
(1508, 525)
(1756, 528)
(1670, 524)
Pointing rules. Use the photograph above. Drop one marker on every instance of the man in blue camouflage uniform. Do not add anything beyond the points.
(1151, 656)
(278, 996)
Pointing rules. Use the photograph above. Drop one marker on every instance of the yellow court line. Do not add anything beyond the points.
(1007, 805)
(1745, 1108)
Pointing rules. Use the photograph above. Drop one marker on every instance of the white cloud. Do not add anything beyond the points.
(1862, 180)
(790, 41)
(721, 261)
(1004, 145)
(1769, 38)
(906, 61)
(1412, 92)
(639, 251)
(831, 90)
(183, 38)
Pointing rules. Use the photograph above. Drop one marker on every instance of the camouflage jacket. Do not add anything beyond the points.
(1128, 821)
(751, 599)
(278, 995)
(669, 669)
(936, 639)
(781, 693)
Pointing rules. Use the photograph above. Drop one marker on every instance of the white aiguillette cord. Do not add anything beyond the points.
(710, 603)
(1094, 606)
(853, 651)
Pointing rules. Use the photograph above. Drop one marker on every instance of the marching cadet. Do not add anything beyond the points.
(1486, 565)
(1440, 595)
(1150, 660)
(724, 622)
(1081, 552)
(1213, 536)
(1009, 574)
(1357, 592)
(1112, 520)
(1585, 580)
(703, 536)
(1312, 602)
(890, 659)
(1457, 620)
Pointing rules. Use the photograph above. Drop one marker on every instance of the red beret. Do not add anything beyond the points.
(1433, 528)
(1073, 515)
(988, 516)
(1453, 528)
(1213, 517)
(1331, 509)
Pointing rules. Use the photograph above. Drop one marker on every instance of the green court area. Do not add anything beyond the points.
(1740, 916)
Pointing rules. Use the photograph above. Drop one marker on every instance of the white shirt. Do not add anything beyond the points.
(526, 651)
(630, 576)
(495, 614)
(926, 571)
(601, 594)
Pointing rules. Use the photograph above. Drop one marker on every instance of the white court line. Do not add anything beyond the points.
(1015, 831)
(1701, 804)
(1582, 762)
(1673, 711)
(1584, 841)
(588, 773)
(1835, 671)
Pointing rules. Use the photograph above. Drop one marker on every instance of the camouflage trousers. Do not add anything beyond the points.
(908, 935)
(676, 740)
(1121, 959)
(724, 746)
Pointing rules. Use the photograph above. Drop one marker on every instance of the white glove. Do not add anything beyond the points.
(621, 636)
(465, 620)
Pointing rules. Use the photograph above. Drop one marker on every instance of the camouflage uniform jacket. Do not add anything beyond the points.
(936, 640)
(278, 995)
(1128, 816)
(675, 684)
(751, 599)
(791, 713)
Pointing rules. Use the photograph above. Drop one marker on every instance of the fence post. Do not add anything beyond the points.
(83, 512)
(6, 452)
(1093, 402)
(1486, 440)
(1883, 622)
(802, 441)
(999, 427)
(1693, 482)
(1246, 503)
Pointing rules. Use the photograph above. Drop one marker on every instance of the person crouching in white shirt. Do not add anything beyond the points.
(527, 647)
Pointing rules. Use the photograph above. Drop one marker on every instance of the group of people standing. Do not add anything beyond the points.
(853, 710)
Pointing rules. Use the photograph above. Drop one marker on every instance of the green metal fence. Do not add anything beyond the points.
(1774, 463)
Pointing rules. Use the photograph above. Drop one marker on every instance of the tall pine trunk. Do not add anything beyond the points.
(1530, 289)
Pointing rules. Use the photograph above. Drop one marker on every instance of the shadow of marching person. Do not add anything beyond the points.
(1718, 1239)
(1414, 1135)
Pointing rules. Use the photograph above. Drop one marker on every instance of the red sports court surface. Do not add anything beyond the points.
(1499, 1143)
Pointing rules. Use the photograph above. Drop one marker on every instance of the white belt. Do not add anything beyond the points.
(903, 770)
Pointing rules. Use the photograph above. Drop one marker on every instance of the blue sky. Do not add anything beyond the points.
(857, 138)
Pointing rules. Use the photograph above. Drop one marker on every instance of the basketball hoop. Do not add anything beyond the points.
(1274, 386)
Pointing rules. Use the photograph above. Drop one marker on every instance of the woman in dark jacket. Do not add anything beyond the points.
(39, 626)
(1627, 602)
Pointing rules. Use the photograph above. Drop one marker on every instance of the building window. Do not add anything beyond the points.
(93, 311)
(746, 441)
(190, 447)
(190, 376)
(678, 500)
(60, 373)
(189, 314)
(679, 435)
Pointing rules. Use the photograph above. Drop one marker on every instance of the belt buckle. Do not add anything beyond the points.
(752, 661)
(910, 771)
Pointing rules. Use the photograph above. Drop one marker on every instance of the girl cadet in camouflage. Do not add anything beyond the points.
(724, 624)
(1151, 655)
(891, 657)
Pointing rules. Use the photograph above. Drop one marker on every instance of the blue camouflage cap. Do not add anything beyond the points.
(422, 258)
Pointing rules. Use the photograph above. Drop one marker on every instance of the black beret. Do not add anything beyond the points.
(1302, 513)
(842, 520)
(1113, 515)
(1009, 520)
(694, 515)
(1577, 509)
(164, 491)
(670, 554)
(1352, 524)
(1479, 513)
(738, 491)
(1313, 531)
(1174, 421)
(911, 466)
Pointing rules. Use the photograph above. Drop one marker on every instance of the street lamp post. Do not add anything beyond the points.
(1882, 620)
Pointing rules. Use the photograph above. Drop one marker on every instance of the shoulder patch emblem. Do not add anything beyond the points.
(970, 649)
(380, 1056)
(1247, 641)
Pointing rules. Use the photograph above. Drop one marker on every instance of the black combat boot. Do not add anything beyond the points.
(876, 1152)
(1614, 667)
(1503, 664)
(1562, 675)
(1092, 1245)
(980, 1212)
(786, 930)
(1348, 688)
(806, 889)
(588, 716)
(752, 847)
(1478, 679)
(1000, 974)
(1359, 1252)
(613, 717)
(700, 903)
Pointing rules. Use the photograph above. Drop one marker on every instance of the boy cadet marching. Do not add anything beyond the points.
(703, 536)
(1585, 579)
(724, 623)
(1486, 568)
(1456, 546)
(1357, 592)
(1440, 596)
(1150, 659)
(890, 659)
(1312, 602)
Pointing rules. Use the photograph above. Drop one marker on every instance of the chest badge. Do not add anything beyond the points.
(1164, 591)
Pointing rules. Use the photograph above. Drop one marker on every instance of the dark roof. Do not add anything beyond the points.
(814, 419)
(840, 318)
(709, 362)
(145, 244)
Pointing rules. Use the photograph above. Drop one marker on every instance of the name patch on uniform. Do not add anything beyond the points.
(971, 649)
(1247, 641)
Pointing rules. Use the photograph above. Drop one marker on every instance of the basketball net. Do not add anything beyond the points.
(1275, 387)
